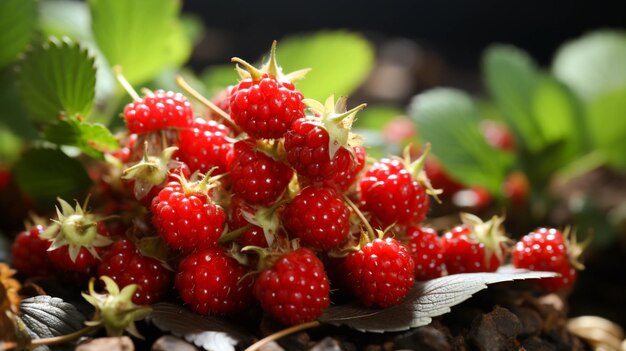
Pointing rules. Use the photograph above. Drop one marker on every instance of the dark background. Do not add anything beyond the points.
(457, 30)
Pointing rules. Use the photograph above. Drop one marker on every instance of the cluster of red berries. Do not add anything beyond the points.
(271, 201)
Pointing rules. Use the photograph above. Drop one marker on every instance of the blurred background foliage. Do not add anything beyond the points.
(524, 103)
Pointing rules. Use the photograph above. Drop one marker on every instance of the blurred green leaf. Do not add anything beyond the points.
(10, 146)
(449, 120)
(12, 113)
(142, 36)
(376, 117)
(593, 64)
(512, 78)
(44, 174)
(66, 18)
(607, 125)
(58, 77)
(17, 27)
(218, 77)
(90, 138)
(340, 62)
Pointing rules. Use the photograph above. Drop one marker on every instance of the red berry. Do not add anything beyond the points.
(211, 282)
(381, 273)
(158, 110)
(392, 194)
(265, 108)
(474, 246)
(296, 289)
(307, 146)
(204, 146)
(516, 188)
(498, 135)
(187, 219)
(345, 178)
(28, 253)
(257, 177)
(546, 249)
(426, 251)
(440, 179)
(319, 217)
(126, 265)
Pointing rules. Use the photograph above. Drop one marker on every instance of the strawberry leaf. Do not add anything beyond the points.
(45, 317)
(593, 64)
(208, 332)
(426, 300)
(512, 78)
(142, 36)
(17, 28)
(91, 138)
(340, 62)
(44, 174)
(607, 125)
(57, 78)
(449, 120)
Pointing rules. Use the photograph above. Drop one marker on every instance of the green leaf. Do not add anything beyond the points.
(66, 18)
(10, 146)
(376, 117)
(340, 61)
(92, 139)
(57, 78)
(17, 27)
(12, 113)
(44, 316)
(512, 78)
(142, 36)
(449, 120)
(607, 125)
(593, 64)
(45, 174)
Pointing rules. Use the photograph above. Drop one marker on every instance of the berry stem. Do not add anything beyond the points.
(273, 337)
(234, 234)
(370, 231)
(117, 70)
(206, 102)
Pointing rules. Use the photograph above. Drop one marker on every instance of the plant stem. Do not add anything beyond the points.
(206, 102)
(55, 340)
(370, 231)
(117, 71)
(273, 337)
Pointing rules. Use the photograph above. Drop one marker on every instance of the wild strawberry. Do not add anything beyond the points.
(205, 146)
(516, 188)
(345, 178)
(265, 102)
(211, 282)
(295, 289)
(380, 273)
(398, 130)
(318, 217)
(185, 215)
(126, 265)
(396, 191)
(257, 177)
(547, 249)
(158, 110)
(498, 135)
(75, 237)
(475, 198)
(426, 251)
(475, 246)
(28, 253)
(319, 148)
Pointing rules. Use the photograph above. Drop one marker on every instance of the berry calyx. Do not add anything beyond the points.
(75, 230)
(115, 309)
